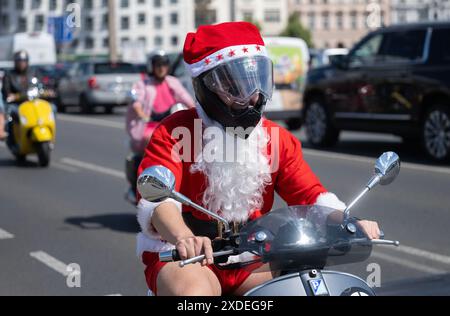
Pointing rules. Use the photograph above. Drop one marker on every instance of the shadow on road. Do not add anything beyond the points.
(438, 285)
(125, 223)
(11, 163)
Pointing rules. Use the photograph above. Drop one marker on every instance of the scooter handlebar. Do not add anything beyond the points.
(169, 256)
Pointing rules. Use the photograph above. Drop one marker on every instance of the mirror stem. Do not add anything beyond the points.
(186, 201)
(372, 183)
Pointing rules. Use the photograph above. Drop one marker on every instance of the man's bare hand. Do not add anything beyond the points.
(191, 247)
(11, 98)
(371, 229)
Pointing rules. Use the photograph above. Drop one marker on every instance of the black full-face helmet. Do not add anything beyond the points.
(235, 93)
(232, 73)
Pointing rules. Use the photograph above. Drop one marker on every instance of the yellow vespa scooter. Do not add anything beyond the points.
(33, 127)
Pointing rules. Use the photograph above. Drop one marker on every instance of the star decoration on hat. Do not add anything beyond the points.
(207, 61)
(258, 48)
(219, 57)
(245, 50)
(232, 53)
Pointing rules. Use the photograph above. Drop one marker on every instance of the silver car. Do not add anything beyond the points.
(92, 84)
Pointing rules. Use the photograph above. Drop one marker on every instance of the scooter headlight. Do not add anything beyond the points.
(23, 120)
(51, 117)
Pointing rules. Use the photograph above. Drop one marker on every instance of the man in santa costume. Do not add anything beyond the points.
(232, 77)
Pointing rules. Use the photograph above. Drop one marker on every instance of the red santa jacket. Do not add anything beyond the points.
(294, 180)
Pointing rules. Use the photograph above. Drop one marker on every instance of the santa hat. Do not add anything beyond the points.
(213, 45)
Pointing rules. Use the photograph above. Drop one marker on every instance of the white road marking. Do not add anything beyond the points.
(424, 254)
(114, 295)
(408, 263)
(363, 159)
(93, 167)
(91, 121)
(5, 235)
(64, 167)
(51, 262)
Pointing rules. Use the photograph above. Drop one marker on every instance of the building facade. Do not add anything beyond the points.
(155, 24)
(336, 23)
(409, 11)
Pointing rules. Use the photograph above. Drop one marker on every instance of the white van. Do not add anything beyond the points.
(291, 63)
(40, 47)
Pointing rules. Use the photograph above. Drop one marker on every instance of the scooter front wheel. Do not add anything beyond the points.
(43, 151)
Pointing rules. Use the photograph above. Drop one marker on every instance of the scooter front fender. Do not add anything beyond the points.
(41, 134)
(314, 283)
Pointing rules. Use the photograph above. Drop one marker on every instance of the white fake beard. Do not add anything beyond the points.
(235, 189)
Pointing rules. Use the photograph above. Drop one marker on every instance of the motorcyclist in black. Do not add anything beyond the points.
(15, 86)
(16, 81)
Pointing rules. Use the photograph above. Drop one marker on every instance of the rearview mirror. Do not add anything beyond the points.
(156, 184)
(387, 167)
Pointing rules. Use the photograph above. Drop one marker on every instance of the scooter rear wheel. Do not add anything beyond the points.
(43, 151)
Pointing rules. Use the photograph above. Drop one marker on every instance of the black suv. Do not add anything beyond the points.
(395, 80)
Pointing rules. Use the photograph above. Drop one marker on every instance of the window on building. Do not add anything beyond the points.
(311, 20)
(88, 4)
(205, 17)
(89, 43)
(157, 3)
(247, 16)
(272, 16)
(125, 23)
(4, 22)
(124, 41)
(53, 5)
(89, 23)
(22, 24)
(106, 42)
(354, 20)
(142, 19)
(36, 4)
(174, 18)
(124, 3)
(20, 5)
(142, 41)
(174, 40)
(157, 22)
(325, 20)
(339, 20)
(158, 41)
(38, 23)
(105, 19)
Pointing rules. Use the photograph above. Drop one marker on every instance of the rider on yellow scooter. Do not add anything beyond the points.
(31, 125)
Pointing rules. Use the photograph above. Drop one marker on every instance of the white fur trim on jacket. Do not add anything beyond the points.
(145, 213)
(147, 244)
(330, 200)
(149, 240)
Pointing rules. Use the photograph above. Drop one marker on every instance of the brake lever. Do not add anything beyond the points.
(203, 257)
(383, 242)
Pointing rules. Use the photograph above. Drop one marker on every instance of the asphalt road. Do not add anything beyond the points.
(74, 212)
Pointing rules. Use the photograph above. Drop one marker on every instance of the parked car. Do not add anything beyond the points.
(50, 76)
(91, 84)
(395, 80)
(320, 58)
(178, 69)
